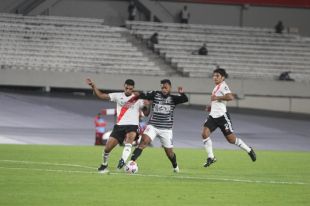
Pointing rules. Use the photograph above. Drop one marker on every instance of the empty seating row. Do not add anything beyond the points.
(40, 43)
(244, 52)
(52, 20)
(196, 28)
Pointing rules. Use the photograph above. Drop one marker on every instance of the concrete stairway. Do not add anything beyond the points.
(153, 57)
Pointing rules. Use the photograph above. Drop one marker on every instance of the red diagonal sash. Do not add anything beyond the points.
(213, 93)
(217, 88)
(126, 106)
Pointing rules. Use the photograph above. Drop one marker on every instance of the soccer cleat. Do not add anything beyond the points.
(209, 162)
(176, 169)
(121, 164)
(103, 169)
(252, 154)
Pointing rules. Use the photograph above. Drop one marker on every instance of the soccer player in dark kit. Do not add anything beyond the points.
(161, 120)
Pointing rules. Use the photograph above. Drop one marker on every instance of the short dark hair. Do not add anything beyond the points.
(165, 81)
(130, 82)
(221, 71)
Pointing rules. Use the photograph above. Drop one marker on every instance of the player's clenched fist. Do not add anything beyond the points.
(180, 90)
(89, 82)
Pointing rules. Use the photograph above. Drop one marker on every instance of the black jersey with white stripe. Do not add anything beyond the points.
(163, 107)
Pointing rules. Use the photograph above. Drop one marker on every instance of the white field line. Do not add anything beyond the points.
(177, 176)
(47, 163)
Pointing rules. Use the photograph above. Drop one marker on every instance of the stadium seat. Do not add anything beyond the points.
(67, 44)
(245, 52)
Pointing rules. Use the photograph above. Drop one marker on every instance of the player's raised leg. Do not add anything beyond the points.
(147, 137)
(130, 137)
(112, 142)
(231, 138)
(145, 141)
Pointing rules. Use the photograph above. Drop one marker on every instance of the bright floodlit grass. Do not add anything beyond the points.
(66, 175)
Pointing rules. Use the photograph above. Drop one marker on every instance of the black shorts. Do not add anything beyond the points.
(119, 131)
(223, 122)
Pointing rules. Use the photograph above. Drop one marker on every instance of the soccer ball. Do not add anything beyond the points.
(131, 167)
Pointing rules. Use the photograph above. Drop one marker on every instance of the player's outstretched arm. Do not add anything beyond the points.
(98, 93)
(146, 109)
(182, 98)
(145, 95)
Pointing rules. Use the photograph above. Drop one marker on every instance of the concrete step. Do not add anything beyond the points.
(151, 55)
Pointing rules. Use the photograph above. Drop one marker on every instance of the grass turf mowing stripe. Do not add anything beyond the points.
(142, 175)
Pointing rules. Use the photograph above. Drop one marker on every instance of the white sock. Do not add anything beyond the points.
(105, 158)
(126, 152)
(208, 146)
(242, 145)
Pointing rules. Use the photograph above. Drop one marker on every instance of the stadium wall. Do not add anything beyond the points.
(253, 94)
(115, 13)
(244, 15)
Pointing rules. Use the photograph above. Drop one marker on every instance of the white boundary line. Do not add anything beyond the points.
(141, 175)
(47, 163)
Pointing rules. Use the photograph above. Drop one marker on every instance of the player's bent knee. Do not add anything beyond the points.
(205, 133)
(231, 139)
(144, 143)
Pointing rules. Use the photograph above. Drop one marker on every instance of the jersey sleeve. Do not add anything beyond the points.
(225, 89)
(113, 97)
(148, 95)
(141, 103)
(179, 99)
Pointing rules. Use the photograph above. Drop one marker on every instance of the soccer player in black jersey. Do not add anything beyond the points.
(161, 120)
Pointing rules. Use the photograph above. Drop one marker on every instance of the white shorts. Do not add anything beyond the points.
(164, 135)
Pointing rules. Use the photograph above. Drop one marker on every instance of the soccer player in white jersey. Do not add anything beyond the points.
(161, 121)
(125, 130)
(219, 117)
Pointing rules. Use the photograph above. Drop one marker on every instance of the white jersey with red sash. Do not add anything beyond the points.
(218, 108)
(127, 108)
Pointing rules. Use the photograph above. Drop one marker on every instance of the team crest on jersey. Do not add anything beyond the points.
(163, 109)
(126, 104)
(168, 100)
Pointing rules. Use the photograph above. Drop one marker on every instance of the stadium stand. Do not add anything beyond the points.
(66, 44)
(246, 52)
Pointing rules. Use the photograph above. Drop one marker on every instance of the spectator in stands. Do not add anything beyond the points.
(285, 76)
(202, 51)
(184, 15)
(153, 40)
(132, 11)
(279, 27)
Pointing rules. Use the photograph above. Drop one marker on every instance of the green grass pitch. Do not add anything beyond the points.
(66, 175)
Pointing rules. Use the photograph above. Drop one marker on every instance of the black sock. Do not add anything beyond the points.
(136, 153)
(173, 161)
